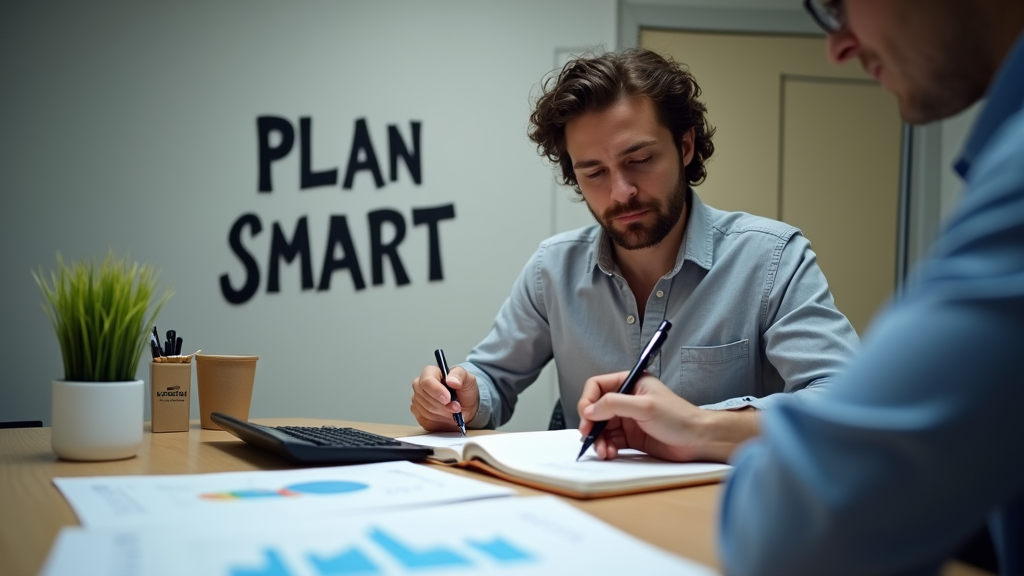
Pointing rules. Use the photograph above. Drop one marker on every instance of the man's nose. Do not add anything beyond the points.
(622, 188)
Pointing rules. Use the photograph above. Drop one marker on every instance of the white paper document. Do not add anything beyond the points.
(508, 536)
(238, 497)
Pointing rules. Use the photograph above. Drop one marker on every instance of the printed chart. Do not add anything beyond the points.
(322, 487)
(467, 554)
(506, 536)
(246, 497)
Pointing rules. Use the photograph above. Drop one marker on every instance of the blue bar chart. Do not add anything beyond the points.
(352, 560)
(521, 536)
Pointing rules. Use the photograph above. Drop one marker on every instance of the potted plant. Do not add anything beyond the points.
(99, 312)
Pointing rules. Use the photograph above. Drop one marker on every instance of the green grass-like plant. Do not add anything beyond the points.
(99, 314)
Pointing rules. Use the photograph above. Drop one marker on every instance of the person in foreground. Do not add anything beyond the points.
(920, 441)
(753, 314)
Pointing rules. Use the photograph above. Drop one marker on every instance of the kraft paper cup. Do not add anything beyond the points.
(225, 385)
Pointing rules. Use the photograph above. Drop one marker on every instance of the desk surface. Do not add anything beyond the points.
(32, 510)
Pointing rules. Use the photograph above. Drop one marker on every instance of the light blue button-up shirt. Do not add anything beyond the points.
(922, 439)
(751, 313)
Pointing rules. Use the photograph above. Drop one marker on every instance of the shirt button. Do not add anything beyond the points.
(659, 293)
(630, 319)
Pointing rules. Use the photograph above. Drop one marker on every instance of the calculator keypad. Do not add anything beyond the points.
(331, 436)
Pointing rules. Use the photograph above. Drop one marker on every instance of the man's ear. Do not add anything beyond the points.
(686, 147)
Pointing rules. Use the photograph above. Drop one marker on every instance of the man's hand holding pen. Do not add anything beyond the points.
(432, 405)
(653, 419)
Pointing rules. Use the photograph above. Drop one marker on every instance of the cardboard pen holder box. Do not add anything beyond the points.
(170, 391)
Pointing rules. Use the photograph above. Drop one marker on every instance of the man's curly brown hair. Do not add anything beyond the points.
(592, 84)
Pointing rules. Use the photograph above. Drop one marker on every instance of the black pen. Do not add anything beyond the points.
(443, 366)
(627, 387)
(156, 336)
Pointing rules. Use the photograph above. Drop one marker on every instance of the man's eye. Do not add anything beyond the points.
(593, 175)
(642, 160)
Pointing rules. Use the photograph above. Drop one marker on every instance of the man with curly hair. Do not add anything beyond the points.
(752, 314)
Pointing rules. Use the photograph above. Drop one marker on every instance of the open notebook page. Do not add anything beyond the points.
(550, 457)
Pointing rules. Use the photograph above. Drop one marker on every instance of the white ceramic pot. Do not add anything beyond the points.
(97, 420)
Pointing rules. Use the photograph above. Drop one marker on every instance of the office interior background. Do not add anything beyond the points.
(393, 139)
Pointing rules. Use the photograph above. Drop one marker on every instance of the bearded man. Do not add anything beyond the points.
(752, 315)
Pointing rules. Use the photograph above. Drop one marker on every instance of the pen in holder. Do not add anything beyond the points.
(170, 386)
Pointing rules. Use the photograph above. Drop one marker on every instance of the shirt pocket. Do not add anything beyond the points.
(709, 374)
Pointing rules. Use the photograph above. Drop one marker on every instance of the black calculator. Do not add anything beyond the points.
(323, 444)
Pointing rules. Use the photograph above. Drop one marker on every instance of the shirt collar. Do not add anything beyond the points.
(697, 246)
(699, 241)
(1005, 97)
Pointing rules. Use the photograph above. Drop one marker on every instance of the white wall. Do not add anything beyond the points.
(133, 126)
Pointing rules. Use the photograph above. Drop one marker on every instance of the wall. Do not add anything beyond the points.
(134, 127)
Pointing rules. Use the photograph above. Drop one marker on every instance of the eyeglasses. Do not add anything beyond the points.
(829, 14)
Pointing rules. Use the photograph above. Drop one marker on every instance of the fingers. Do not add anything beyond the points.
(605, 449)
(613, 405)
(468, 392)
(430, 415)
(596, 387)
(459, 379)
(432, 404)
(428, 405)
(652, 419)
(613, 439)
(429, 385)
(430, 399)
(648, 396)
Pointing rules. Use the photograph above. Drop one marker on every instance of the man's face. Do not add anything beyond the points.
(927, 52)
(630, 171)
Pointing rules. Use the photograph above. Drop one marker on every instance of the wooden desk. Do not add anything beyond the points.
(32, 510)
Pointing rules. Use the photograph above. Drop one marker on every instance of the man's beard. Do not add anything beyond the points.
(637, 235)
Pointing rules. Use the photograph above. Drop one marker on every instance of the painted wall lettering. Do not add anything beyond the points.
(362, 155)
(338, 241)
(275, 140)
